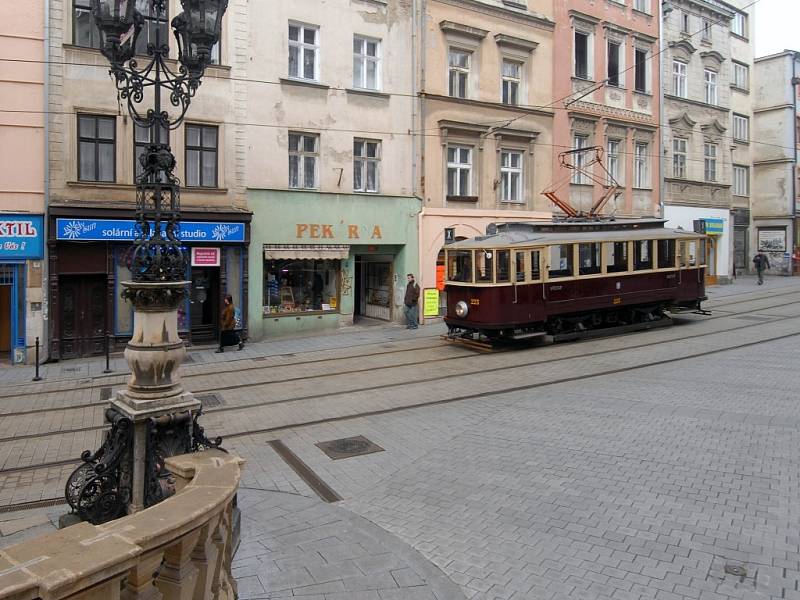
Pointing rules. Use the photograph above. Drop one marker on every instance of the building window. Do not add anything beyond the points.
(581, 55)
(684, 22)
(642, 6)
(142, 137)
(641, 165)
(710, 86)
(706, 36)
(512, 76)
(614, 63)
(739, 24)
(741, 128)
(741, 181)
(366, 63)
(511, 176)
(201, 155)
(303, 155)
(84, 31)
(152, 24)
(96, 148)
(679, 158)
(679, 78)
(579, 159)
(640, 70)
(304, 52)
(366, 163)
(293, 286)
(710, 161)
(741, 75)
(459, 171)
(612, 159)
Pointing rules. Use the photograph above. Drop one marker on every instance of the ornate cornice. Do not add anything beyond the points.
(581, 109)
(509, 41)
(505, 12)
(464, 30)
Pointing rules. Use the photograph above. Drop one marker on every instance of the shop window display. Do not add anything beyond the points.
(292, 286)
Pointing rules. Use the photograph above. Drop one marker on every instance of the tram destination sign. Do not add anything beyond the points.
(124, 230)
(21, 236)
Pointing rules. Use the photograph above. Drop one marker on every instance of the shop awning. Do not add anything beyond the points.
(306, 251)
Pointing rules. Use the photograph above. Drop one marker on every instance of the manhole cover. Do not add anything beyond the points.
(209, 400)
(347, 447)
(735, 570)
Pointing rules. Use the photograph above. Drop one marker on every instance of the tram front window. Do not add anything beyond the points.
(460, 263)
(484, 259)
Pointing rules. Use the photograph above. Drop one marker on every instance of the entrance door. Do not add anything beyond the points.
(82, 301)
(5, 320)
(711, 261)
(204, 304)
(374, 288)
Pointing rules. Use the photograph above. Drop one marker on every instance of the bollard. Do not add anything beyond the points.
(37, 378)
(108, 366)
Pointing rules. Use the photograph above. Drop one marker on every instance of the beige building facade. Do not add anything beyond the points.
(93, 161)
(22, 178)
(485, 119)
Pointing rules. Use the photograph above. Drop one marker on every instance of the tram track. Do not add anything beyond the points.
(438, 378)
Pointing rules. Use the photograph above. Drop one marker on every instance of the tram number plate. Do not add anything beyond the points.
(474, 301)
(617, 300)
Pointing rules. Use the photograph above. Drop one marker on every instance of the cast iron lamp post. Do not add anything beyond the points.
(154, 417)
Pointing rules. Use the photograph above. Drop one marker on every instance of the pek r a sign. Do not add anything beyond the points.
(21, 237)
(124, 230)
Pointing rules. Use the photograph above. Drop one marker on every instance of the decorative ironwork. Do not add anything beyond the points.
(159, 254)
(167, 435)
(99, 490)
(199, 440)
(155, 298)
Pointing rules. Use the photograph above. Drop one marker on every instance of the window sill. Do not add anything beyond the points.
(582, 79)
(615, 87)
(462, 198)
(203, 190)
(641, 93)
(365, 92)
(303, 83)
(512, 202)
(740, 37)
(636, 11)
(588, 185)
(139, 57)
(366, 193)
(742, 142)
(741, 90)
(642, 189)
(513, 4)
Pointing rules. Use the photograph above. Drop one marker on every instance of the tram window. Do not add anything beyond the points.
(460, 262)
(589, 258)
(682, 256)
(693, 253)
(561, 260)
(666, 254)
(483, 265)
(536, 272)
(503, 266)
(642, 255)
(615, 257)
(519, 266)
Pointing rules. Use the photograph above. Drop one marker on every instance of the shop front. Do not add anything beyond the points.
(441, 226)
(21, 252)
(716, 224)
(90, 257)
(320, 261)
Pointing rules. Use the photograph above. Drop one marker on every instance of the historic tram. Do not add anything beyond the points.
(523, 280)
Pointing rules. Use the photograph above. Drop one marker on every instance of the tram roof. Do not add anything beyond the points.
(549, 233)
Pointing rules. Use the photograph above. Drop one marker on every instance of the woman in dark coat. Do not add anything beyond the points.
(228, 336)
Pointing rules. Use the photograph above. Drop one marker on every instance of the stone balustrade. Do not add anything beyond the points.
(180, 549)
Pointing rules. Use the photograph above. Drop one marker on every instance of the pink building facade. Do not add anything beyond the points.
(22, 187)
(608, 97)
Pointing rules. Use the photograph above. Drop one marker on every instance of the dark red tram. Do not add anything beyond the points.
(527, 279)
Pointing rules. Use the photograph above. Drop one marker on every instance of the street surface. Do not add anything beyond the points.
(639, 466)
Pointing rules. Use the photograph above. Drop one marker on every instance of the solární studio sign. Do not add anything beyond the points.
(124, 230)
(21, 236)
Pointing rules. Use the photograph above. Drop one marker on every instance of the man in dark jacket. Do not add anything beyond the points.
(761, 263)
(412, 303)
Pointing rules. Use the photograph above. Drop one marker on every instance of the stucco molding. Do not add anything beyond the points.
(583, 21)
(621, 114)
(712, 58)
(682, 49)
(457, 29)
(714, 127)
(515, 43)
(527, 17)
(511, 108)
(683, 119)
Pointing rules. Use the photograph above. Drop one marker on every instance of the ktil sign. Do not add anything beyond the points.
(21, 236)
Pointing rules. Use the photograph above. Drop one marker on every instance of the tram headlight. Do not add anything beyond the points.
(461, 309)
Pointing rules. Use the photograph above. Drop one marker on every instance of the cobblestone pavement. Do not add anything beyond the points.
(575, 483)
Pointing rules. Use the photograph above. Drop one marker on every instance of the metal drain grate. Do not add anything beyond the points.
(210, 400)
(348, 447)
(754, 318)
(105, 392)
(46, 503)
(70, 369)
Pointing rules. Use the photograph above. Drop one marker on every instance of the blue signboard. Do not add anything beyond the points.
(21, 236)
(714, 226)
(124, 230)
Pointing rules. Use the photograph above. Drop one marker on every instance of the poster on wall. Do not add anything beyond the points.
(772, 240)
(430, 302)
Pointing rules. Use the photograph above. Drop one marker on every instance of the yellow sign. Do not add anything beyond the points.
(430, 302)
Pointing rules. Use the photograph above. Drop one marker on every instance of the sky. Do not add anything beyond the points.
(776, 26)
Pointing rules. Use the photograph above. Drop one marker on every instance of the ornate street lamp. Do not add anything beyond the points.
(154, 417)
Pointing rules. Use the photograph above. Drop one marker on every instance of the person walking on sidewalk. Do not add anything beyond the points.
(412, 303)
(761, 263)
(228, 335)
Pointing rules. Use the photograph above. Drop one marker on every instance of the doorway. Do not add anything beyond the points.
(374, 287)
(711, 261)
(204, 304)
(5, 323)
(82, 302)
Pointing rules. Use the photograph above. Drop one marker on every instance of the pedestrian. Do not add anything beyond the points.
(761, 263)
(412, 303)
(228, 335)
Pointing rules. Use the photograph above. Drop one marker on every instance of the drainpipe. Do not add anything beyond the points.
(793, 203)
(413, 97)
(422, 89)
(661, 146)
(45, 312)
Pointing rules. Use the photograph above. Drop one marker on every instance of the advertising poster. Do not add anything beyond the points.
(430, 302)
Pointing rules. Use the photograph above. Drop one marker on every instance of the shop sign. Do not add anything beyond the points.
(21, 236)
(205, 257)
(714, 226)
(430, 302)
(124, 230)
(333, 232)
